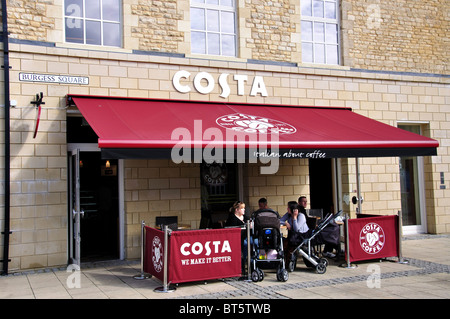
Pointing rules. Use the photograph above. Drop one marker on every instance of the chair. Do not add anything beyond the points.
(218, 219)
(317, 212)
(170, 221)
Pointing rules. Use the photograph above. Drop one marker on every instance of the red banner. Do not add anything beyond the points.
(373, 237)
(154, 252)
(204, 254)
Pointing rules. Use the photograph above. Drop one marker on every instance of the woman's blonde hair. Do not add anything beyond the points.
(235, 206)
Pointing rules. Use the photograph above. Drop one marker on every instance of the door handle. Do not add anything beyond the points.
(75, 213)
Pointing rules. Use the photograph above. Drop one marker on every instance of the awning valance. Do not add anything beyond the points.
(151, 128)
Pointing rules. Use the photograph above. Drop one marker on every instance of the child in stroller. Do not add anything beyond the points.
(268, 245)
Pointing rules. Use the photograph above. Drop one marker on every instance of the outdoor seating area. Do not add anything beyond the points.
(425, 275)
(256, 247)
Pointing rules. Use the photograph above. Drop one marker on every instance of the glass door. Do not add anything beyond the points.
(412, 190)
(75, 211)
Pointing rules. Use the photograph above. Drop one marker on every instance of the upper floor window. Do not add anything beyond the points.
(96, 22)
(213, 27)
(320, 31)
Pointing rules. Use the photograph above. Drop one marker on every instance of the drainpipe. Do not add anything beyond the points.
(7, 231)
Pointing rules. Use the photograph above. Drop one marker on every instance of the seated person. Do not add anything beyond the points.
(287, 216)
(295, 222)
(236, 218)
(263, 206)
(237, 215)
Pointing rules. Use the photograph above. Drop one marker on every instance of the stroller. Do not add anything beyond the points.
(267, 245)
(325, 232)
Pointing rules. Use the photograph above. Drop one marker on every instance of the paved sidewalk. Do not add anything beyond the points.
(425, 276)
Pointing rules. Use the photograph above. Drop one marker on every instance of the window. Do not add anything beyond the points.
(96, 22)
(213, 27)
(320, 31)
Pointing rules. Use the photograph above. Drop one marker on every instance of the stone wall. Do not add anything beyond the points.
(157, 28)
(406, 36)
(273, 26)
(29, 20)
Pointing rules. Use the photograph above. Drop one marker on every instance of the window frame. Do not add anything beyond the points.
(324, 21)
(100, 20)
(220, 8)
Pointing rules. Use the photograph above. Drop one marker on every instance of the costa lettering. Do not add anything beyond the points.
(204, 83)
(197, 248)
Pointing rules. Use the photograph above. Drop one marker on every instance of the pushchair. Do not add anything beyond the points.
(267, 252)
(324, 233)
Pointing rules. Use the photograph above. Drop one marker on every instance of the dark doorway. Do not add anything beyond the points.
(219, 190)
(99, 201)
(321, 185)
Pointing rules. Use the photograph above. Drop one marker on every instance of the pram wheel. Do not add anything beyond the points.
(323, 261)
(282, 275)
(321, 268)
(257, 275)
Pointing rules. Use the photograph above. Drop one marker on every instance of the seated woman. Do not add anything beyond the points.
(294, 219)
(236, 218)
(295, 222)
(287, 215)
(237, 215)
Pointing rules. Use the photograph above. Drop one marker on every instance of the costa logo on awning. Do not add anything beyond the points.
(254, 124)
(204, 83)
(372, 238)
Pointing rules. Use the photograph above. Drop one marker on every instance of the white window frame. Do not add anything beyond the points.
(220, 8)
(325, 21)
(101, 20)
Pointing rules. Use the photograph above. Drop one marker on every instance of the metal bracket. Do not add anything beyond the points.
(38, 101)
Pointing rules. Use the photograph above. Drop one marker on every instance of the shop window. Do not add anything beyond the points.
(213, 27)
(95, 22)
(320, 31)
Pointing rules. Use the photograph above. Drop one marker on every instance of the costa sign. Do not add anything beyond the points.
(372, 238)
(198, 247)
(204, 83)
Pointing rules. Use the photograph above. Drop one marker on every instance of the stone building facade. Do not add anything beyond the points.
(393, 67)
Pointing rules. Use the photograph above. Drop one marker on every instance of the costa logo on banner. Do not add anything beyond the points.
(154, 252)
(157, 254)
(372, 238)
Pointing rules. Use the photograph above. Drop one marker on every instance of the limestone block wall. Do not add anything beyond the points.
(405, 36)
(291, 181)
(408, 36)
(159, 188)
(274, 28)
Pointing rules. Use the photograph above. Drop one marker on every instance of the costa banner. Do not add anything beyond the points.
(373, 237)
(154, 252)
(204, 254)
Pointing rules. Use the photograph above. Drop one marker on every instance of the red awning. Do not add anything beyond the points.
(147, 128)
